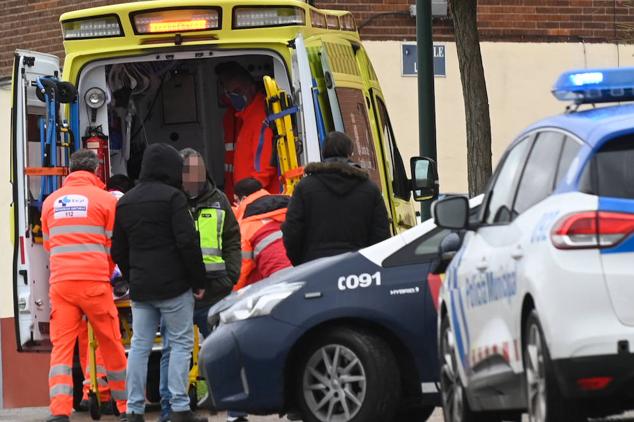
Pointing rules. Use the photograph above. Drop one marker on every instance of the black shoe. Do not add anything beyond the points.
(58, 418)
(84, 406)
(187, 416)
(107, 408)
(238, 419)
(133, 417)
(123, 417)
(293, 415)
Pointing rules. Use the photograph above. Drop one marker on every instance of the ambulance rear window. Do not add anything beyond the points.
(611, 173)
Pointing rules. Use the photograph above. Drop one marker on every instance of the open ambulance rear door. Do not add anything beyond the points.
(350, 105)
(30, 261)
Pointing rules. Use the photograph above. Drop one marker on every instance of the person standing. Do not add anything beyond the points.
(253, 146)
(157, 249)
(117, 185)
(220, 244)
(263, 252)
(77, 222)
(335, 208)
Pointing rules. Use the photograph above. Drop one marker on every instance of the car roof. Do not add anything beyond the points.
(592, 126)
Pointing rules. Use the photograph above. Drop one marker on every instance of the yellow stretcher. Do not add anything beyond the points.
(280, 107)
(125, 321)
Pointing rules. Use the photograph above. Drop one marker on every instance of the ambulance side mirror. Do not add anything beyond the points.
(424, 178)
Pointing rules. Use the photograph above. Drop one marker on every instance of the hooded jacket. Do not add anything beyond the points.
(334, 209)
(155, 242)
(218, 285)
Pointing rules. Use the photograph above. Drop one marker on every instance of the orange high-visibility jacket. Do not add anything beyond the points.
(240, 209)
(77, 223)
(251, 248)
(247, 144)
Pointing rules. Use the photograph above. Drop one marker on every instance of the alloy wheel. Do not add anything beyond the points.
(334, 383)
(452, 392)
(535, 375)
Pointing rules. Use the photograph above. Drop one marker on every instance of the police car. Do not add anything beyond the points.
(537, 309)
(346, 338)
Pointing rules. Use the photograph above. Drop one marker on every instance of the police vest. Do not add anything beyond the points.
(209, 224)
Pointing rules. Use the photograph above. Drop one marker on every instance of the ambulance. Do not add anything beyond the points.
(145, 72)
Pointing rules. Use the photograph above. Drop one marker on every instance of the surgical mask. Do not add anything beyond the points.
(238, 101)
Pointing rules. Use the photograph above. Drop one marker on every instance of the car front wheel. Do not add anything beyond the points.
(348, 375)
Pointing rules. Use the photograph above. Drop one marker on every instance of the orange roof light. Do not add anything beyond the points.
(176, 20)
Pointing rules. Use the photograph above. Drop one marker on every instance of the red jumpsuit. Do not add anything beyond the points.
(251, 119)
(77, 223)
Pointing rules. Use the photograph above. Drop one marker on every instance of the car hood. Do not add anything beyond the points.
(305, 272)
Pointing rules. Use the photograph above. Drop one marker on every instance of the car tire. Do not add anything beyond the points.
(350, 374)
(544, 398)
(455, 404)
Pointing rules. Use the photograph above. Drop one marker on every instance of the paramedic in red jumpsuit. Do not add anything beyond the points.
(77, 222)
(250, 105)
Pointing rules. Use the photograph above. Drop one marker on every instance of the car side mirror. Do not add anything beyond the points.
(451, 213)
(449, 246)
(424, 178)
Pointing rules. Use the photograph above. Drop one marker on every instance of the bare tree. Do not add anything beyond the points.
(474, 92)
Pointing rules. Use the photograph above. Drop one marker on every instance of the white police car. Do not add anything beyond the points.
(537, 308)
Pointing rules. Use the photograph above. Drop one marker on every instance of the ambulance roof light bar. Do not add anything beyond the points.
(106, 26)
(591, 86)
(176, 20)
(247, 17)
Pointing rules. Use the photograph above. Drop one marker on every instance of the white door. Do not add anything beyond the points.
(30, 279)
(487, 269)
(303, 84)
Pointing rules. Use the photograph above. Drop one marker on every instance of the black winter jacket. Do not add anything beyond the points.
(155, 242)
(334, 209)
(219, 285)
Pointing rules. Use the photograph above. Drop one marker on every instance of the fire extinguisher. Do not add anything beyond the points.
(98, 142)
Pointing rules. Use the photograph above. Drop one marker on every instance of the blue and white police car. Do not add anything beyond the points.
(350, 338)
(537, 308)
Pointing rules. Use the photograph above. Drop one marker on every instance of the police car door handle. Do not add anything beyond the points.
(518, 253)
(483, 264)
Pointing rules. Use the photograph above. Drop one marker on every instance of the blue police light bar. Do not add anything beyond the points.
(590, 86)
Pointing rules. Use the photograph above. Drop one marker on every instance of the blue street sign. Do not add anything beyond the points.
(409, 60)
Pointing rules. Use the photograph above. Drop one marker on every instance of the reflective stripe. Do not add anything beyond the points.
(119, 394)
(116, 375)
(81, 247)
(60, 389)
(109, 234)
(44, 236)
(60, 370)
(212, 251)
(247, 254)
(262, 244)
(100, 382)
(229, 146)
(82, 229)
(100, 369)
(215, 266)
(229, 168)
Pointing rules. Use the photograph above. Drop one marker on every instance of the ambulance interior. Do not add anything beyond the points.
(170, 98)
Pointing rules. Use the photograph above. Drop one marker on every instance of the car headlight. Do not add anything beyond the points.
(259, 303)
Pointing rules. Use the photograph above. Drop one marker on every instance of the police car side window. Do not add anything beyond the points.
(538, 178)
(500, 196)
(568, 153)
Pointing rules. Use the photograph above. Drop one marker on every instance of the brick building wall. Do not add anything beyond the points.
(33, 24)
